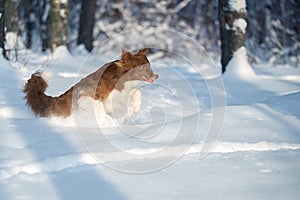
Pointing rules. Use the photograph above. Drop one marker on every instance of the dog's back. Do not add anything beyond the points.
(98, 85)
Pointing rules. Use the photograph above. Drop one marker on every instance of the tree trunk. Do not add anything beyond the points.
(43, 15)
(12, 26)
(29, 24)
(86, 27)
(12, 16)
(232, 28)
(2, 31)
(58, 23)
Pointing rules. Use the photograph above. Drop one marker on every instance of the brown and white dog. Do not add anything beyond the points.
(109, 83)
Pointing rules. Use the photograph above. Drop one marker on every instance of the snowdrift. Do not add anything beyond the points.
(84, 156)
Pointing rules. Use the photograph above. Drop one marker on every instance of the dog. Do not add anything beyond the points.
(111, 84)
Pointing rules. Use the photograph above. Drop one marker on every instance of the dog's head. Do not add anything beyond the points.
(137, 66)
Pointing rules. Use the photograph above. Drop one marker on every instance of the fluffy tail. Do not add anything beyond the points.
(42, 104)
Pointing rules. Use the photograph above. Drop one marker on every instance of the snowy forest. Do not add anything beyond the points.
(198, 99)
(272, 26)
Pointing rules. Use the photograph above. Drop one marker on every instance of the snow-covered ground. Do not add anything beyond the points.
(157, 153)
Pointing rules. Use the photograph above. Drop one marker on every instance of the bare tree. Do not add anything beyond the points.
(13, 27)
(232, 28)
(43, 15)
(28, 8)
(87, 19)
(12, 18)
(58, 23)
(2, 31)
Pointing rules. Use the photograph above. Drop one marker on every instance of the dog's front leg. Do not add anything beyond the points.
(135, 101)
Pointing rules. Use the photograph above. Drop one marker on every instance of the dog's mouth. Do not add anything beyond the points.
(149, 80)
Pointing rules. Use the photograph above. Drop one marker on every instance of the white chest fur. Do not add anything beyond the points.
(125, 102)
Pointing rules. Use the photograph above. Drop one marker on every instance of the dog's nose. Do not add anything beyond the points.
(155, 76)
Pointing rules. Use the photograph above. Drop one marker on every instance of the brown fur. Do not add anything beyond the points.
(97, 85)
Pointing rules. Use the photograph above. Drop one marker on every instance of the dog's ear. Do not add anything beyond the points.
(126, 55)
(142, 52)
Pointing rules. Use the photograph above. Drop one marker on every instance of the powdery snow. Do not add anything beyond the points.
(240, 24)
(237, 5)
(257, 153)
(238, 67)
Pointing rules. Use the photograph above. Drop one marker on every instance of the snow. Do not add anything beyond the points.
(240, 24)
(238, 67)
(237, 5)
(158, 153)
(63, 1)
(181, 5)
(12, 41)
